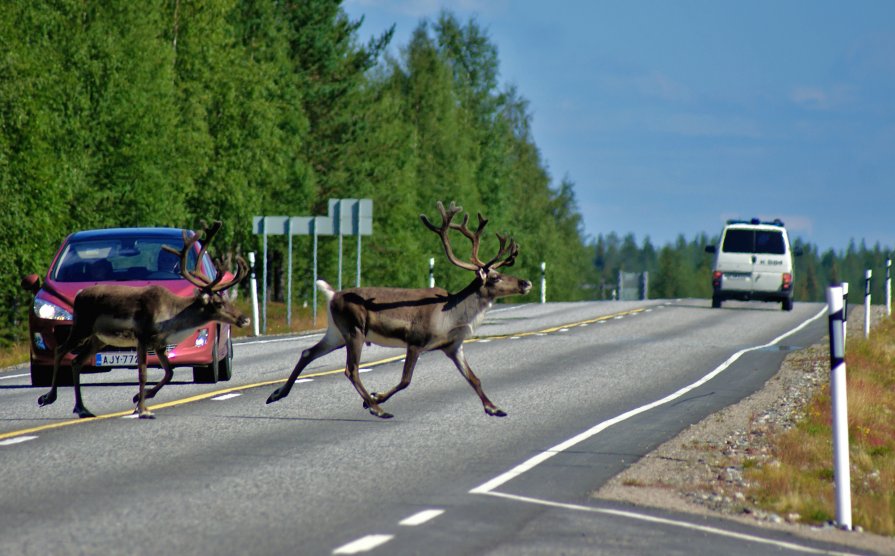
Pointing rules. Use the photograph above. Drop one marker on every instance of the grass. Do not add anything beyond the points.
(798, 478)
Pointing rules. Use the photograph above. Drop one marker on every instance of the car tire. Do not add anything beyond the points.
(716, 302)
(787, 304)
(225, 364)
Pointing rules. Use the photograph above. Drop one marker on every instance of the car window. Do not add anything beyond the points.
(769, 242)
(119, 259)
(754, 241)
(737, 241)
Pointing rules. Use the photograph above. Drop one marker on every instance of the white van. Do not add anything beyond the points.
(753, 261)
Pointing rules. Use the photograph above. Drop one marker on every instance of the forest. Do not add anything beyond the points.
(168, 113)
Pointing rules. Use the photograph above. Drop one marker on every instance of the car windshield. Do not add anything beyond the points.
(754, 241)
(121, 259)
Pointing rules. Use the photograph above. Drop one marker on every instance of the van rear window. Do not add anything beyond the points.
(754, 241)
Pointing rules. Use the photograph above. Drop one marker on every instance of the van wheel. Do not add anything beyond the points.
(716, 302)
(787, 304)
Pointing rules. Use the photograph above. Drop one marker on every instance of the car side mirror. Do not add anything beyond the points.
(710, 249)
(31, 283)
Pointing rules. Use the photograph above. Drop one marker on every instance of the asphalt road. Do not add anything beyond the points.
(589, 389)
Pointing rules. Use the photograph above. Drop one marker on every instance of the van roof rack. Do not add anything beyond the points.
(756, 221)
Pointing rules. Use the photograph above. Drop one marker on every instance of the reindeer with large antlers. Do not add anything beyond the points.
(146, 318)
(419, 319)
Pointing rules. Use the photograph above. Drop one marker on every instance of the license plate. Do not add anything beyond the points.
(737, 276)
(117, 359)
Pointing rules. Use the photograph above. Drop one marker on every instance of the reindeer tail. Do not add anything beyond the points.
(327, 290)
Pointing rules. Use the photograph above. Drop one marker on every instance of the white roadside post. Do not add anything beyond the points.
(543, 282)
(254, 286)
(844, 314)
(867, 275)
(841, 472)
(888, 287)
(432, 272)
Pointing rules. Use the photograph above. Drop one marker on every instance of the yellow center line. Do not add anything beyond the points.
(214, 394)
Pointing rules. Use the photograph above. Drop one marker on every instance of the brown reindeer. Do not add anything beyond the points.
(147, 318)
(419, 319)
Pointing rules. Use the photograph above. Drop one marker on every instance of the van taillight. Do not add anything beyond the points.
(787, 280)
(716, 278)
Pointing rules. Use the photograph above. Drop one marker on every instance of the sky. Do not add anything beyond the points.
(669, 117)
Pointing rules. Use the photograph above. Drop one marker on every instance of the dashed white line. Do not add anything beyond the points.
(7, 377)
(16, 440)
(363, 544)
(420, 518)
(229, 396)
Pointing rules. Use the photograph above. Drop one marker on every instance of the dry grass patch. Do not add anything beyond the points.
(798, 477)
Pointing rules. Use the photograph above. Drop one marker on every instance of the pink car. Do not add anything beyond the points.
(130, 257)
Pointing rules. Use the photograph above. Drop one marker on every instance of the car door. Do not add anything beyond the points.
(769, 260)
(736, 259)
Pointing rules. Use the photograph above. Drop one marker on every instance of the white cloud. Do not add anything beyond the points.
(820, 98)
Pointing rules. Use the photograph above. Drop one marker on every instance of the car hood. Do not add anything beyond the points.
(66, 291)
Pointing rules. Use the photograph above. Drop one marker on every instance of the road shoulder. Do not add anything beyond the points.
(700, 470)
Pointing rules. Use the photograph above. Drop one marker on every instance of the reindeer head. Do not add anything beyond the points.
(211, 293)
(493, 283)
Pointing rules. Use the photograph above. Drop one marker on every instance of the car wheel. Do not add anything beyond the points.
(225, 364)
(787, 304)
(716, 302)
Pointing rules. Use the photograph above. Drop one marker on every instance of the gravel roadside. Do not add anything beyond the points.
(700, 470)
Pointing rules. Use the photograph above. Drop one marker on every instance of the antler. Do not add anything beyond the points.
(507, 252)
(211, 286)
(446, 217)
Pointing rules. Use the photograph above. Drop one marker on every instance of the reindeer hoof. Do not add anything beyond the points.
(83, 413)
(147, 415)
(495, 412)
(378, 412)
(275, 396)
(46, 399)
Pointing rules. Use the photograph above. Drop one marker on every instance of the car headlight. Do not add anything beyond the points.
(50, 311)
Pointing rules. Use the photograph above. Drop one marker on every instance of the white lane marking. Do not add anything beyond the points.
(536, 460)
(669, 522)
(304, 380)
(132, 416)
(16, 440)
(563, 329)
(420, 518)
(7, 377)
(229, 396)
(365, 370)
(363, 544)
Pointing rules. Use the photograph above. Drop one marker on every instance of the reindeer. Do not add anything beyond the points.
(147, 318)
(419, 319)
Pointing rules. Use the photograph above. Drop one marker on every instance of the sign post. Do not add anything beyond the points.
(345, 217)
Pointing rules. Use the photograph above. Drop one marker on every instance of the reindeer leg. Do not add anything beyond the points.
(169, 374)
(50, 396)
(76, 365)
(352, 366)
(330, 342)
(141, 401)
(413, 354)
(75, 340)
(455, 354)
